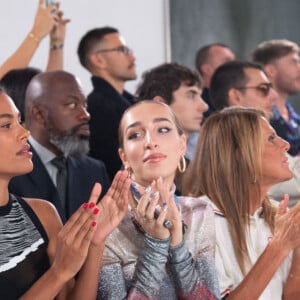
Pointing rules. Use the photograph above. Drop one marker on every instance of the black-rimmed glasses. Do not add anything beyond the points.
(263, 88)
(121, 49)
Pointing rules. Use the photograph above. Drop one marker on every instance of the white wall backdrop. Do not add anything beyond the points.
(143, 23)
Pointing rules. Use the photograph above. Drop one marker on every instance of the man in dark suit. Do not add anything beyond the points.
(56, 115)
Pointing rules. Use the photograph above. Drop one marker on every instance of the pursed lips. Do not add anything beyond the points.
(25, 150)
(155, 157)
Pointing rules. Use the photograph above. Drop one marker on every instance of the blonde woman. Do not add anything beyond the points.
(239, 156)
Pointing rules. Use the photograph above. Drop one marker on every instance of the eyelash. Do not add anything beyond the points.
(7, 125)
(162, 130)
(133, 136)
(271, 138)
(191, 96)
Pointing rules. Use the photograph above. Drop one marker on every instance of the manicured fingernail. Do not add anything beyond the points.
(91, 205)
(94, 223)
(148, 189)
(85, 205)
(154, 196)
(164, 206)
(96, 210)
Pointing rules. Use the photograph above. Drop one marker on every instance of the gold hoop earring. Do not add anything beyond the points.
(128, 169)
(182, 164)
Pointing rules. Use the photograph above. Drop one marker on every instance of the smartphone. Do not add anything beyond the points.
(135, 192)
(50, 2)
(137, 196)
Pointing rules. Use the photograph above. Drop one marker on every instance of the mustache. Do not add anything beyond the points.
(69, 142)
(75, 129)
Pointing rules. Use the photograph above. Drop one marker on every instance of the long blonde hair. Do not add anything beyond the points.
(227, 169)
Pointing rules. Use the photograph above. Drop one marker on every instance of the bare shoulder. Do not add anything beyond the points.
(47, 214)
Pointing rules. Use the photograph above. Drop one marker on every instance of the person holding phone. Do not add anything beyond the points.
(164, 247)
(48, 20)
(39, 258)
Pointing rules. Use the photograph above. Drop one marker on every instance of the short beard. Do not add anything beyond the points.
(70, 144)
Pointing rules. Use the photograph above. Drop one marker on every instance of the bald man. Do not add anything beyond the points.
(56, 115)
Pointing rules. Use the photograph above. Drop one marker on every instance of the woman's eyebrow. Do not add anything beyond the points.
(156, 120)
(133, 125)
(10, 116)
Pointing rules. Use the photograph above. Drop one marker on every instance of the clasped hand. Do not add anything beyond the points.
(155, 207)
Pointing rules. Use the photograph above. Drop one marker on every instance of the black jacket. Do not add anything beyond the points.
(106, 107)
(82, 175)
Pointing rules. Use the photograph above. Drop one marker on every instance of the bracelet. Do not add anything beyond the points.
(56, 46)
(34, 37)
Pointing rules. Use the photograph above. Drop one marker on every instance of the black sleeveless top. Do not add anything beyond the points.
(23, 248)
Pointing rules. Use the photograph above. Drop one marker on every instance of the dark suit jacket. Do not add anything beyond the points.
(82, 175)
(106, 107)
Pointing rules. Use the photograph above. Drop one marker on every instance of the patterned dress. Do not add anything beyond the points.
(137, 266)
(23, 248)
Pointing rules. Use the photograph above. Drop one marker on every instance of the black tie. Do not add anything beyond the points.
(61, 178)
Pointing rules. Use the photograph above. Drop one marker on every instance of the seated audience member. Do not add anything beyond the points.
(239, 157)
(15, 83)
(39, 258)
(56, 115)
(48, 20)
(281, 62)
(104, 53)
(208, 59)
(242, 83)
(180, 88)
(152, 254)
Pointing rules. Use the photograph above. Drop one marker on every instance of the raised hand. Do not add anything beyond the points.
(157, 197)
(58, 33)
(75, 237)
(287, 225)
(112, 207)
(45, 19)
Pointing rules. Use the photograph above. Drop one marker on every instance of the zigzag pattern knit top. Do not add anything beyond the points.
(23, 248)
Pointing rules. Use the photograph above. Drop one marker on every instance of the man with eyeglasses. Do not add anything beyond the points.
(242, 83)
(246, 84)
(104, 53)
(281, 62)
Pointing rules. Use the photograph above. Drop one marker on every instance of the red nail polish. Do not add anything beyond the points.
(96, 210)
(94, 223)
(85, 205)
(91, 205)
